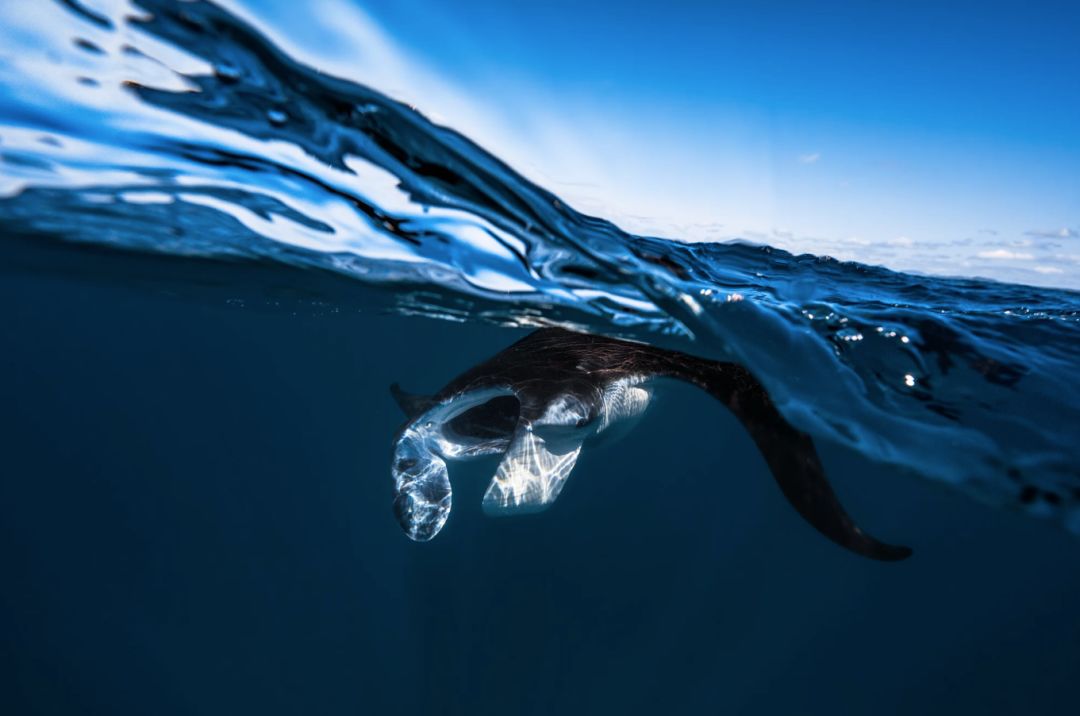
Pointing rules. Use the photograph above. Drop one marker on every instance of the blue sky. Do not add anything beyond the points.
(939, 137)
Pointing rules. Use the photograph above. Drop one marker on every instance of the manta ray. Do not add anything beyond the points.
(539, 401)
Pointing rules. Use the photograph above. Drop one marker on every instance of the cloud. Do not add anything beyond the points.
(1063, 233)
(1004, 255)
(1048, 270)
(989, 232)
(809, 158)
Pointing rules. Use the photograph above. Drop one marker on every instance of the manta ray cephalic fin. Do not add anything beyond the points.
(532, 472)
(411, 404)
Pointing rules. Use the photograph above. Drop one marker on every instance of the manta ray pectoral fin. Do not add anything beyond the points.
(791, 457)
(532, 472)
(797, 470)
(410, 404)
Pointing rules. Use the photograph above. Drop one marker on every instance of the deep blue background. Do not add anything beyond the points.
(194, 518)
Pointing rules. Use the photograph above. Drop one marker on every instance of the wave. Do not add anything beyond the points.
(177, 129)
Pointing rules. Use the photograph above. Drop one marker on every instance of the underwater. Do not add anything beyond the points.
(313, 402)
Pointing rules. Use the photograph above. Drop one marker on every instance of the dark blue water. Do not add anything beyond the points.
(213, 273)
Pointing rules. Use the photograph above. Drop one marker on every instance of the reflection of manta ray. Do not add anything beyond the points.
(541, 398)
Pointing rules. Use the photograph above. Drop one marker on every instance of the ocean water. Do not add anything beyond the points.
(215, 260)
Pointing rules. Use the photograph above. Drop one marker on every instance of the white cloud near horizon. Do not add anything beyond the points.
(1005, 255)
(1062, 233)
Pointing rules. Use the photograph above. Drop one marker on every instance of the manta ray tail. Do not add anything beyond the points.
(789, 453)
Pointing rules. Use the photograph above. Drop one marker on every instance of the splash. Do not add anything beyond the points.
(177, 129)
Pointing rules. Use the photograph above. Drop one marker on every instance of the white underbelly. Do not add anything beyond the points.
(623, 403)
